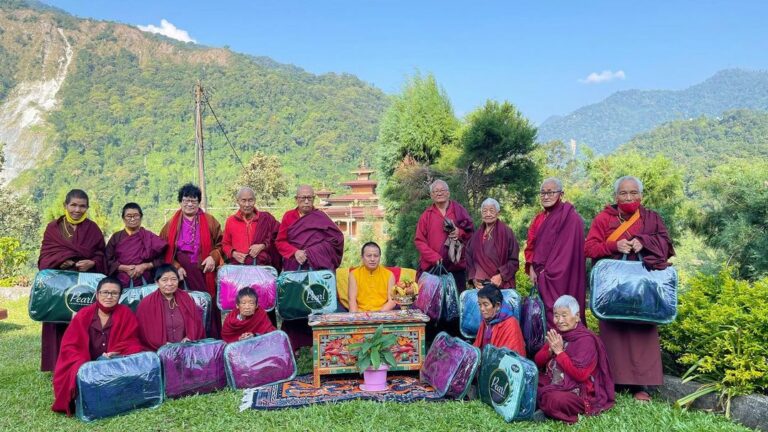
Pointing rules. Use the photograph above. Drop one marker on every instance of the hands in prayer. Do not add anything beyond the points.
(301, 256)
(555, 342)
(208, 265)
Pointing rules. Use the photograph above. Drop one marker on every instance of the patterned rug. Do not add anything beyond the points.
(300, 392)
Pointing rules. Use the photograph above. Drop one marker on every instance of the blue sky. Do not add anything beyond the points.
(536, 55)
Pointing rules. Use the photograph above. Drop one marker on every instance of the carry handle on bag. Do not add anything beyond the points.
(450, 294)
(533, 321)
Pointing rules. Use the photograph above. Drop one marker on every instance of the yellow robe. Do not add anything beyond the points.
(371, 287)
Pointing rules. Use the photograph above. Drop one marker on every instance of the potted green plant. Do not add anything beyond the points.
(374, 358)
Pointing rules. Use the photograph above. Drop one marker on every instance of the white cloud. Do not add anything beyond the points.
(604, 76)
(168, 29)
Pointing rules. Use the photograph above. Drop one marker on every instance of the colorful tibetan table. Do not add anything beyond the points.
(332, 333)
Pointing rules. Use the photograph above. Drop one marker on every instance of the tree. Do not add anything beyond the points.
(497, 146)
(662, 186)
(418, 123)
(264, 175)
(735, 215)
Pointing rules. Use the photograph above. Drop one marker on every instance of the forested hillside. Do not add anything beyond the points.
(606, 125)
(123, 127)
(700, 145)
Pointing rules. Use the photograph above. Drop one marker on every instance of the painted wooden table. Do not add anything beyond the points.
(333, 333)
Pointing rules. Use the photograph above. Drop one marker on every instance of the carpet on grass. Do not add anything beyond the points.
(300, 392)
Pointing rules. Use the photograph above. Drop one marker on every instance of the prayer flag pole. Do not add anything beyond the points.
(199, 149)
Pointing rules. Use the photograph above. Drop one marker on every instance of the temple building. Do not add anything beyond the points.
(358, 208)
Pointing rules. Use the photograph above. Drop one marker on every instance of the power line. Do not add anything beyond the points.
(225, 133)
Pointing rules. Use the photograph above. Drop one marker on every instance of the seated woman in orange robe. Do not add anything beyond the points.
(499, 327)
(104, 328)
(371, 283)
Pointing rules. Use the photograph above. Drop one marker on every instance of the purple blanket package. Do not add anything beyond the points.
(430, 298)
(193, 367)
(259, 360)
(450, 366)
(232, 278)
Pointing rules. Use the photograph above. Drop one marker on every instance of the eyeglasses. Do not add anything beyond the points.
(544, 194)
(439, 191)
(625, 194)
(194, 201)
(305, 197)
(132, 216)
(488, 211)
(106, 294)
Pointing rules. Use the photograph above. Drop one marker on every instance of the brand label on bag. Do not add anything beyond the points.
(499, 387)
(79, 296)
(316, 296)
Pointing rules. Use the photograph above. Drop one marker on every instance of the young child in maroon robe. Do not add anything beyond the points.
(248, 320)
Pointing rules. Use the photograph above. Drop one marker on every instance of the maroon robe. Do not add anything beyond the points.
(140, 247)
(430, 236)
(210, 236)
(86, 243)
(123, 339)
(633, 349)
(240, 234)
(233, 327)
(151, 315)
(317, 235)
(498, 254)
(321, 239)
(558, 258)
(576, 381)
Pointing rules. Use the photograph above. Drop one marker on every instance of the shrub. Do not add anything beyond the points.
(721, 333)
(12, 260)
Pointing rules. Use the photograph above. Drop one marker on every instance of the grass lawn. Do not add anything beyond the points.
(25, 400)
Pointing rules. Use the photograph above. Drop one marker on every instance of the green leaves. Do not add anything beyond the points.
(374, 350)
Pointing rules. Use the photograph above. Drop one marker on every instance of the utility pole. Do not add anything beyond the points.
(199, 149)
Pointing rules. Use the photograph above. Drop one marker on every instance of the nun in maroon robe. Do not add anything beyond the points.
(71, 242)
(194, 244)
(577, 380)
(139, 248)
(633, 349)
(307, 239)
(86, 339)
(168, 315)
(492, 251)
(432, 238)
(554, 253)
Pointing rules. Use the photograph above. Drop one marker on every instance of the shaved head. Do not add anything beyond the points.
(305, 199)
(244, 190)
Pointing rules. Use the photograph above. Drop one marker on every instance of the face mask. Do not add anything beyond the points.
(630, 207)
(106, 309)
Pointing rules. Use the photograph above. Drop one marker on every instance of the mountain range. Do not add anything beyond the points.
(606, 125)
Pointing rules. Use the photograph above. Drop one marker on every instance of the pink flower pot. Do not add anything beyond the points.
(375, 380)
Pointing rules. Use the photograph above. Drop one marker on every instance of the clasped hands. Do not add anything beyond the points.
(253, 252)
(626, 246)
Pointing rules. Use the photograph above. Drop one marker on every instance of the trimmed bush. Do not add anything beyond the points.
(721, 333)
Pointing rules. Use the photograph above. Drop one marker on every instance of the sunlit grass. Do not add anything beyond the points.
(25, 400)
